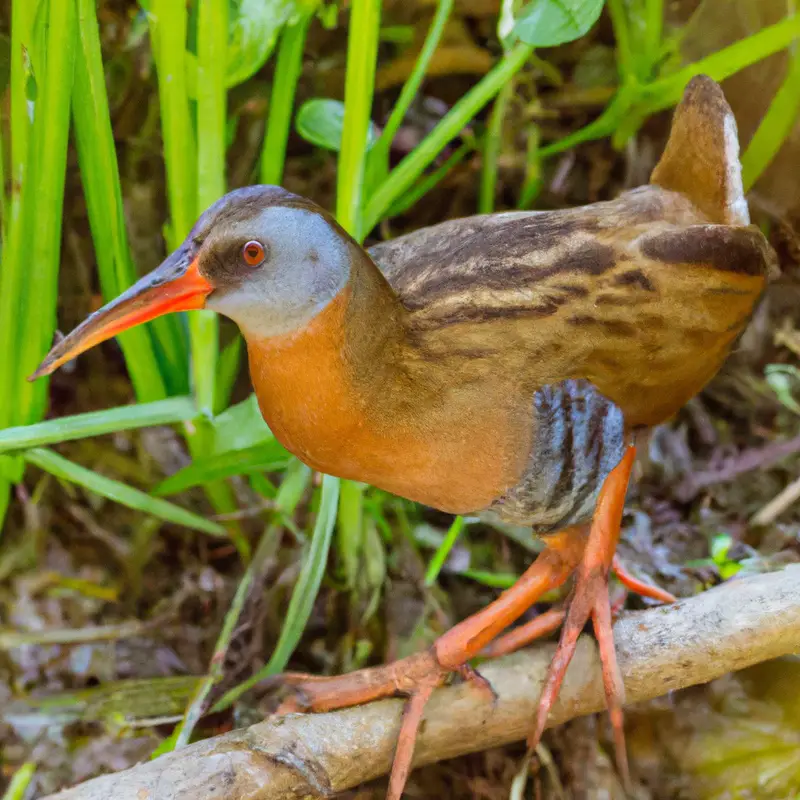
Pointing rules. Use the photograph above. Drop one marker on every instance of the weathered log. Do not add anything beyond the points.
(693, 641)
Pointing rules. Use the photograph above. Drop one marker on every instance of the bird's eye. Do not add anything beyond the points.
(253, 253)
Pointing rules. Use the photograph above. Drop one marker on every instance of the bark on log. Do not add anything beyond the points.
(693, 641)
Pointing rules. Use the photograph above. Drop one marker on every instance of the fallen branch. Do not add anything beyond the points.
(734, 466)
(693, 641)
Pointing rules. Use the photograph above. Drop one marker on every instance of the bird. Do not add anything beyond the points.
(504, 365)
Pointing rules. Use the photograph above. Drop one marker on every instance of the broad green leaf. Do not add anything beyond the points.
(547, 23)
(321, 121)
(253, 31)
(264, 457)
(119, 492)
(97, 423)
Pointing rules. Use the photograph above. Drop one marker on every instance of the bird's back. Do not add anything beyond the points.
(643, 295)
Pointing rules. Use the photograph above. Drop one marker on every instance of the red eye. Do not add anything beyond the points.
(253, 253)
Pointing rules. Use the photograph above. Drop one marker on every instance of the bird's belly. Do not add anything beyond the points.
(454, 468)
(455, 457)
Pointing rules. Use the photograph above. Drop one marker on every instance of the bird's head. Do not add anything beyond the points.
(268, 259)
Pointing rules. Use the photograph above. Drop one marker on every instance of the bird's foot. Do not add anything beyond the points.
(590, 599)
(552, 619)
(416, 676)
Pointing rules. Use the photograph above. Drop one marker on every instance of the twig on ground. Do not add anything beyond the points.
(732, 626)
(782, 501)
(746, 461)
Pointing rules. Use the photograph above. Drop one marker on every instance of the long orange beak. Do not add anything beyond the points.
(176, 285)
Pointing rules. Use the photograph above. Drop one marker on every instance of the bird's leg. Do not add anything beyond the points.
(590, 598)
(416, 676)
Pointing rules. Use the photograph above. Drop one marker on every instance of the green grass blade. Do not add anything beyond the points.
(666, 92)
(4, 202)
(212, 51)
(615, 112)
(350, 530)
(168, 27)
(491, 149)
(618, 12)
(18, 787)
(362, 52)
(303, 596)
(494, 580)
(139, 701)
(297, 477)
(97, 423)
(212, 57)
(776, 125)
(402, 178)
(431, 180)
(119, 492)
(168, 20)
(227, 372)
(43, 206)
(97, 159)
(265, 552)
(310, 579)
(443, 551)
(266, 457)
(12, 274)
(411, 86)
(288, 66)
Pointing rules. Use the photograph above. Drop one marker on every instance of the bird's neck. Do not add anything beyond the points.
(319, 384)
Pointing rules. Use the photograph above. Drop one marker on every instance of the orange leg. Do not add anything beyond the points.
(416, 676)
(590, 598)
(640, 587)
(523, 635)
(551, 620)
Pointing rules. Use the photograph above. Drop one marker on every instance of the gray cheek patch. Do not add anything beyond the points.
(308, 266)
(580, 438)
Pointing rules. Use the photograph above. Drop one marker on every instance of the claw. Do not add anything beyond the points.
(471, 675)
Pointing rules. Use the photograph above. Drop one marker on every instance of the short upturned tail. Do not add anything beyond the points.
(701, 159)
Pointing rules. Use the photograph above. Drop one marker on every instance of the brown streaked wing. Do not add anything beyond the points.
(603, 293)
